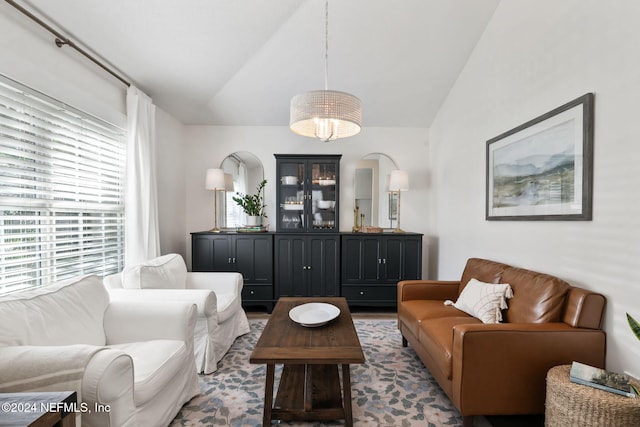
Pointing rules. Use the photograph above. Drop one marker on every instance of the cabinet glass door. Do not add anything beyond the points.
(307, 193)
(323, 194)
(292, 195)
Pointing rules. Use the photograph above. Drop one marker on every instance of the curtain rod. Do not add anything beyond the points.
(62, 40)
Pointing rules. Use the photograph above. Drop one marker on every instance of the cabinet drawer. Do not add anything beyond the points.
(371, 295)
(257, 293)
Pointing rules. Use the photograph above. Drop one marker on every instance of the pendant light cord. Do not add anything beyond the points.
(325, 114)
(326, 46)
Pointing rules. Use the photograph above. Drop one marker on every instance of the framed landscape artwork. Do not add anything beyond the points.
(543, 169)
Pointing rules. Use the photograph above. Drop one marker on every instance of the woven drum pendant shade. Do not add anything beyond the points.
(325, 114)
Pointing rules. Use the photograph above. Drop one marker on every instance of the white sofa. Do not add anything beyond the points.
(136, 359)
(221, 318)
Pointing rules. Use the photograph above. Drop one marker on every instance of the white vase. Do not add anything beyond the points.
(254, 221)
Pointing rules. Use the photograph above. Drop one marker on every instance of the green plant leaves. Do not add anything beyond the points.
(252, 204)
(635, 326)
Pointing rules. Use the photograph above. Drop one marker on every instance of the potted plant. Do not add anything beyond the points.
(635, 328)
(253, 205)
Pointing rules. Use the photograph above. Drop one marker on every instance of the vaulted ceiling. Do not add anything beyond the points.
(239, 62)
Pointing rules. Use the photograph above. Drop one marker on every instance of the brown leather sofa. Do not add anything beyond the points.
(500, 369)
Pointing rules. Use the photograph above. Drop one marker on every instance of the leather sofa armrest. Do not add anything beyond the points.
(495, 365)
(427, 290)
(584, 309)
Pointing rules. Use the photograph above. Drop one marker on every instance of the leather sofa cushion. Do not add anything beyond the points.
(155, 364)
(483, 270)
(413, 312)
(164, 272)
(436, 337)
(537, 297)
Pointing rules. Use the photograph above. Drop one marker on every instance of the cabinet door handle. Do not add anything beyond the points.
(229, 261)
(379, 261)
(384, 260)
(234, 260)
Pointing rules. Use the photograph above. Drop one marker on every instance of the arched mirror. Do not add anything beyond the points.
(243, 173)
(370, 192)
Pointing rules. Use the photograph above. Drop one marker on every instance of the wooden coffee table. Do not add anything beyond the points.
(309, 386)
(39, 409)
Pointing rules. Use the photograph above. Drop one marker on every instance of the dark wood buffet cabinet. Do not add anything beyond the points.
(372, 265)
(362, 267)
(307, 265)
(307, 256)
(251, 254)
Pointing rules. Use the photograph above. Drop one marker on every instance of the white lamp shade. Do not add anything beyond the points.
(215, 179)
(399, 181)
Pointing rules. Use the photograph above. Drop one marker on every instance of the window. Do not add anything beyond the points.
(61, 191)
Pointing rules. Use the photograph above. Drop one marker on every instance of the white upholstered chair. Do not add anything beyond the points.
(134, 358)
(221, 318)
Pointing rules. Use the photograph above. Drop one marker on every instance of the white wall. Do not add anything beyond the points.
(171, 184)
(29, 55)
(535, 56)
(207, 146)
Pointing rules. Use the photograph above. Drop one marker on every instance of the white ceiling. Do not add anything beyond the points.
(239, 62)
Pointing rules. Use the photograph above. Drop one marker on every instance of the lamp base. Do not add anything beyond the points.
(215, 230)
(398, 230)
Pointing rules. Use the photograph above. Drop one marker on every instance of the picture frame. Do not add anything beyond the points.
(542, 170)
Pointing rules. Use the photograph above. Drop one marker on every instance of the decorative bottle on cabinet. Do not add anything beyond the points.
(307, 193)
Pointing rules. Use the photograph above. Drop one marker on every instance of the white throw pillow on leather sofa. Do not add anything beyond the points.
(484, 301)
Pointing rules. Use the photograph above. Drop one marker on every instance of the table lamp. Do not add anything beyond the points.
(398, 182)
(215, 181)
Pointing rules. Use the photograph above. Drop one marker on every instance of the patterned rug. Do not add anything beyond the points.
(392, 388)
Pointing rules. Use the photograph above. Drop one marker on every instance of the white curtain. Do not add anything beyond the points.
(142, 240)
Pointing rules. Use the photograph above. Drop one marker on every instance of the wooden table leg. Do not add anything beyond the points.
(268, 395)
(68, 421)
(346, 395)
(308, 388)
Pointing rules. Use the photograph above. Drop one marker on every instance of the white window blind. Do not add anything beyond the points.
(61, 191)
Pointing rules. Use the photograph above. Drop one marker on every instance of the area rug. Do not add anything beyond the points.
(392, 388)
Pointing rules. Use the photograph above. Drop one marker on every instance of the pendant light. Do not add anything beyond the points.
(325, 114)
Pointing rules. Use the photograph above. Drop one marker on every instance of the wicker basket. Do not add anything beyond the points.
(573, 405)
